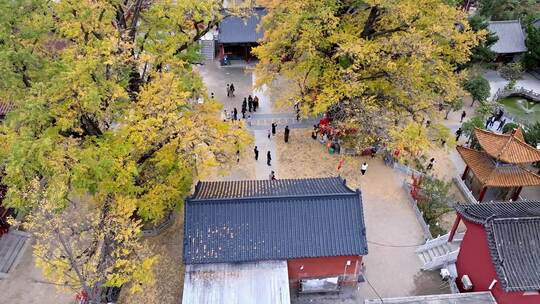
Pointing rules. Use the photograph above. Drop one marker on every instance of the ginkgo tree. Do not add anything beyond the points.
(105, 132)
(376, 66)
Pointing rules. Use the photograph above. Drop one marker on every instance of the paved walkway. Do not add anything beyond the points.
(260, 132)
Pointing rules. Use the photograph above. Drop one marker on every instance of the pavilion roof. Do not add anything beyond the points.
(493, 174)
(509, 148)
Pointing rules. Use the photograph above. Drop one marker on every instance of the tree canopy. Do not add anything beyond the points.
(478, 87)
(508, 9)
(105, 124)
(374, 66)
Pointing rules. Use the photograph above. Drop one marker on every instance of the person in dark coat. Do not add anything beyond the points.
(501, 125)
(256, 152)
(255, 103)
(268, 158)
(274, 125)
(458, 133)
(235, 114)
(488, 122)
(244, 103)
(463, 114)
(286, 134)
(272, 175)
(243, 113)
(250, 103)
(232, 89)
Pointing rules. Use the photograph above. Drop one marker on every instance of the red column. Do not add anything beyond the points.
(454, 228)
(482, 193)
(464, 176)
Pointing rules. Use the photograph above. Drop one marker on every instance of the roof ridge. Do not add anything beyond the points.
(296, 196)
(506, 21)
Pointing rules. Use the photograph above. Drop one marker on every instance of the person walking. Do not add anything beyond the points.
(431, 163)
(235, 114)
(268, 158)
(228, 90)
(274, 125)
(463, 114)
(237, 156)
(256, 152)
(501, 124)
(286, 134)
(269, 134)
(255, 103)
(488, 122)
(232, 90)
(250, 103)
(244, 103)
(224, 115)
(272, 175)
(363, 168)
(458, 133)
(243, 112)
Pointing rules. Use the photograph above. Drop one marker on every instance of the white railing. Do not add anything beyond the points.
(458, 237)
(464, 190)
(445, 259)
(417, 212)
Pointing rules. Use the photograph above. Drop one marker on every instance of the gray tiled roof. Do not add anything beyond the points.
(238, 30)
(515, 250)
(257, 228)
(280, 187)
(480, 213)
(511, 37)
(513, 232)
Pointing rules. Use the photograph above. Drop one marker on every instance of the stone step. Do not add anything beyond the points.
(12, 245)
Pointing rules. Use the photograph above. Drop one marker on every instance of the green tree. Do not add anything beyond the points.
(375, 66)
(532, 134)
(434, 201)
(482, 53)
(507, 9)
(532, 57)
(105, 127)
(512, 71)
(478, 87)
(509, 127)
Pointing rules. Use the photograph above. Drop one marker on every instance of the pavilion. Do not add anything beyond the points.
(502, 168)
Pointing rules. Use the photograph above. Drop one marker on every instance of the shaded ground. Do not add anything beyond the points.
(169, 270)
(26, 285)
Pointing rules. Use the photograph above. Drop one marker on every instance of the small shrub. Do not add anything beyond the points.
(507, 128)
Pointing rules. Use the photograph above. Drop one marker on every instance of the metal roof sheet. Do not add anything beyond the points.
(511, 37)
(226, 230)
(235, 29)
(459, 298)
(261, 283)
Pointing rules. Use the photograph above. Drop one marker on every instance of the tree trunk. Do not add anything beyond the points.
(447, 113)
(473, 100)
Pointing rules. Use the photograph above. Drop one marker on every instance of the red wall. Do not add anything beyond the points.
(475, 261)
(324, 267)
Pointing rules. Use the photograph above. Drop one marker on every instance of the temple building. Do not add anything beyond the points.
(502, 167)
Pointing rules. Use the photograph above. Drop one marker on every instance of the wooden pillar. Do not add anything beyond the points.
(482, 194)
(464, 176)
(516, 193)
(454, 228)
